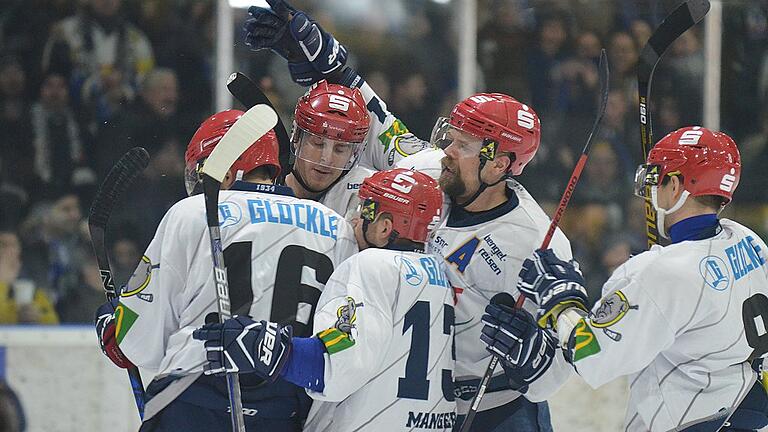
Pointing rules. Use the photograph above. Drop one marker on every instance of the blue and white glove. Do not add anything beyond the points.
(524, 350)
(553, 284)
(312, 53)
(242, 345)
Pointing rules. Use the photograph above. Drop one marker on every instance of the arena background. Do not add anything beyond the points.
(66, 119)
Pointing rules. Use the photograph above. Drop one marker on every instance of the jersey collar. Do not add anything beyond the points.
(261, 187)
(459, 217)
(695, 228)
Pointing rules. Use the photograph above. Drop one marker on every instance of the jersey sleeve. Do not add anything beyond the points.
(346, 245)
(354, 322)
(388, 139)
(152, 300)
(625, 331)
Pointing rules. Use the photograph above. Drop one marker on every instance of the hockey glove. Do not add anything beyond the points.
(525, 350)
(105, 330)
(553, 284)
(242, 345)
(312, 53)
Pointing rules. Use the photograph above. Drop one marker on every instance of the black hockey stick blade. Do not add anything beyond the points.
(130, 165)
(684, 17)
(122, 174)
(250, 94)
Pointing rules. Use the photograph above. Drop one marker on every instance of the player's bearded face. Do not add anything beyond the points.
(458, 178)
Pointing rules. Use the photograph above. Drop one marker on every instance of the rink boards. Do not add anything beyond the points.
(66, 384)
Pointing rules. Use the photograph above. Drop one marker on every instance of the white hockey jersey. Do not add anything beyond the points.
(484, 258)
(279, 252)
(386, 318)
(682, 321)
(342, 197)
(388, 139)
(426, 161)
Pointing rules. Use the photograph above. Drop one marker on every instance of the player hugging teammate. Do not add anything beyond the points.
(368, 338)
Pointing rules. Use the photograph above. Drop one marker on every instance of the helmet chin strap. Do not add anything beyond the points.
(483, 185)
(661, 213)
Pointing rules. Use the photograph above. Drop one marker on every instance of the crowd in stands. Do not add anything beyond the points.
(83, 81)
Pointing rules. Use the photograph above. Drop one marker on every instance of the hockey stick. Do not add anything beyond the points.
(678, 22)
(249, 94)
(119, 178)
(604, 75)
(254, 124)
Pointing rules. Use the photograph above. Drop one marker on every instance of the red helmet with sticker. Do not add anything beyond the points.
(412, 198)
(263, 152)
(708, 161)
(513, 125)
(333, 111)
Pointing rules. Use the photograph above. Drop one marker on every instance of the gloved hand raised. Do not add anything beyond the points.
(312, 53)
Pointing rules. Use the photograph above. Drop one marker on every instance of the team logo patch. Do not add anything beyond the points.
(229, 214)
(715, 273)
(397, 128)
(339, 337)
(409, 271)
(585, 342)
(611, 311)
(140, 280)
(409, 144)
(346, 315)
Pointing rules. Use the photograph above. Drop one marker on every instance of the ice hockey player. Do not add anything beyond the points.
(685, 322)
(381, 358)
(496, 136)
(314, 55)
(329, 128)
(279, 251)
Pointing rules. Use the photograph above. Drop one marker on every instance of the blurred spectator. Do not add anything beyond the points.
(547, 52)
(681, 76)
(126, 254)
(83, 297)
(503, 44)
(152, 122)
(641, 31)
(410, 101)
(754, 159)
(16, 152)
(623, 54)
(55, 245)
(576, 82)
(20, 300)
(59, 151)
(617, 129)
(11, 413)
(101, 54)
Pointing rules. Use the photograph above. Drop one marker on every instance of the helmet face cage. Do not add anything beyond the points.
(444, 135)
(324, 151)
(646, 175)
(192, 179)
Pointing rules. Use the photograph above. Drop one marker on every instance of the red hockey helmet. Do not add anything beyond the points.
(334, 118)
(514, 126)
(708, 161)
(263, 152)
(412, 198)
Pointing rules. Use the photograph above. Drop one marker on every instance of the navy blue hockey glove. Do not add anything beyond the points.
(525, 350)
(312, 53)
(105, 331)
(243, 345)
(553, 284)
